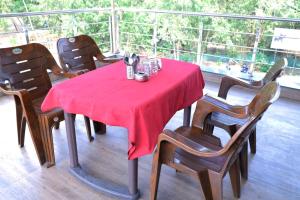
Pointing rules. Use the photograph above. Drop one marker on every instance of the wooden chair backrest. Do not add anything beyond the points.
(77, 53)
(264, 98)
(260, 103)
(25, 67)
(275, 71)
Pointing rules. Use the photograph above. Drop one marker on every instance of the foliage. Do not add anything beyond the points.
(176, 35)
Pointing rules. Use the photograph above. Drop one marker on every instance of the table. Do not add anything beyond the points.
(144, 108)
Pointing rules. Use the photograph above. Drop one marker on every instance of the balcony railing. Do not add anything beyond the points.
(226, 50)
(47, 27)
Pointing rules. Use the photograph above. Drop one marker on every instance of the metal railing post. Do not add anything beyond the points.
(74, 26)
(117, 34)
(114, 27)
(199, 48)
(154, 37)
(255, 48)
(26, 35)
(110, 34)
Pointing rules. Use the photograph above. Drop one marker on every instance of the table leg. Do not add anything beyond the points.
(99, 127)
(133, 176)
(187, 116)
(71, 137)
(130, 193)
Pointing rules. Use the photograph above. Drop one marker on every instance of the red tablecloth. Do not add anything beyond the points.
(144, 108)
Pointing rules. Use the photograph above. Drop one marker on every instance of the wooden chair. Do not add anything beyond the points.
(190, 150)
(231, 124)
(23, 74)
(80, 53)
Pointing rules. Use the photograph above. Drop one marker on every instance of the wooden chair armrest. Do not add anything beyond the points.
(205, 107)
(74, 73)
(24, 97)
(227, 82)
(56, 70)
(20, 93)
(186, 144)
(2, 85)
(225, 104)
(67, 74)
(110, 60)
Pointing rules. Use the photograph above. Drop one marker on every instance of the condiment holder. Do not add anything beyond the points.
(141, 70)
(131, 65)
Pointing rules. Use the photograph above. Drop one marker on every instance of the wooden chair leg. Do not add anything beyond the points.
(19, 118)
(231, 129)
(224, 88)
(244, 161)
(21, 133)
(74, 118)
(252, 141)
(56, 125)
(234, 173)
(205, 185)
(99, 127)
(46, 132)
(216, 185)
(156, 167)
(88, 128)
(37, 140)
(208, 128)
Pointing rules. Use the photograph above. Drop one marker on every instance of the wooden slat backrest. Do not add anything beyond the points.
(275, 70)
(264, 98)
(78, 52)
(25, 67)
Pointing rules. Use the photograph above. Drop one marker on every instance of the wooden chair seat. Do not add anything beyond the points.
(56, 115)
(197, 135)
(228, 123)
(36, 103)
(203, 141)
(197, 164)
